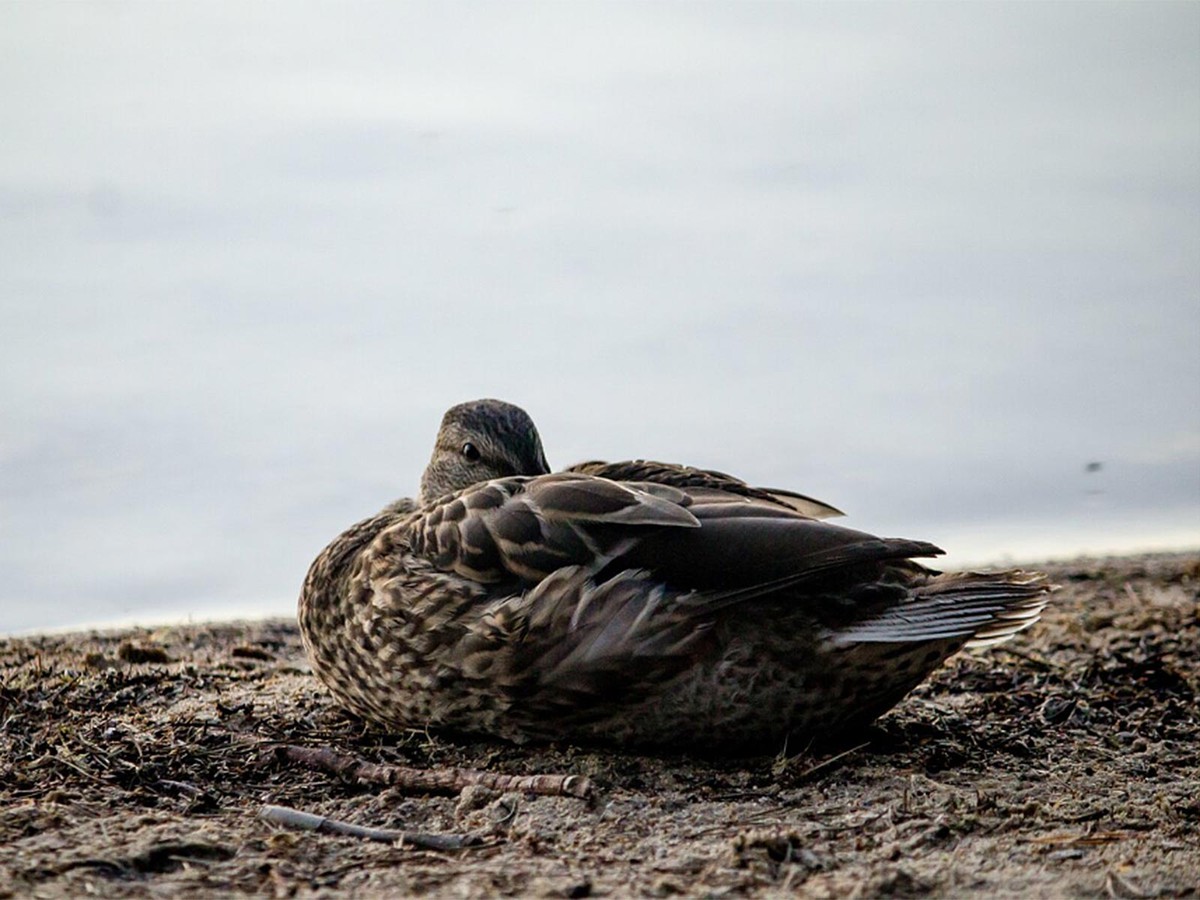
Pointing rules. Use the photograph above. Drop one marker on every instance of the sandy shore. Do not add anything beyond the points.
(1066, 763)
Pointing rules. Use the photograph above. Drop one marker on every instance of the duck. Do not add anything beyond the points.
(634, 604)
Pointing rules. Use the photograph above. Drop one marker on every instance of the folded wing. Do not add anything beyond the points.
(689, 477)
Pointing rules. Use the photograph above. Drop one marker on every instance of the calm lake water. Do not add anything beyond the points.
(934, 264)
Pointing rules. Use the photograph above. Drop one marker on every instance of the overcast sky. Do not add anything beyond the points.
(923, 261)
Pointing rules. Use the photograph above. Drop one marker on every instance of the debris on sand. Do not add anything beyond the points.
(1066, 763)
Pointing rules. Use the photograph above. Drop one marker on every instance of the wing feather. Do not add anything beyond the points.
(985, 609)
(687, 477)
(525, 528)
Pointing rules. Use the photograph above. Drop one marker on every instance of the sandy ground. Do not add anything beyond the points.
(1065, 764)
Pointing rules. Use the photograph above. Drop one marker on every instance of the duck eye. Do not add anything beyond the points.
(470, 452)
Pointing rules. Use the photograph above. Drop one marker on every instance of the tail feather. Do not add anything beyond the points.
(984, 609)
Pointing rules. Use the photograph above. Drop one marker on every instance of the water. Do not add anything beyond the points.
(926, 263)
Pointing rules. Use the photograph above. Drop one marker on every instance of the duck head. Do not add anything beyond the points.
(478, 441)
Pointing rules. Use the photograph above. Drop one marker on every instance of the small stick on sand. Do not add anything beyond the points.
(825, 764)
(305, 821)
(435, 781)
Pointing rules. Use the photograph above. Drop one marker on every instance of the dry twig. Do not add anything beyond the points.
(825, 764)
(435, 781)
(304, 821)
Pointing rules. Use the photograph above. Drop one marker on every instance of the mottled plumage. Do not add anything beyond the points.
(638, 603)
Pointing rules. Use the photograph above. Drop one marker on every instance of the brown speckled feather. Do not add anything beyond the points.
(676, 606)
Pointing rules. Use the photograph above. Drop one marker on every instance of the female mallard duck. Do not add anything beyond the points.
(639, 603)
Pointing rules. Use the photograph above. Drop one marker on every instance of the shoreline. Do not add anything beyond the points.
(166, 620)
